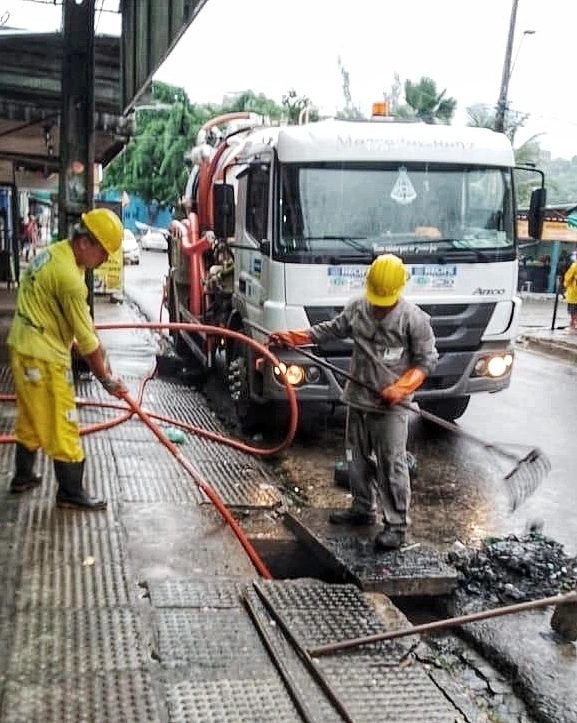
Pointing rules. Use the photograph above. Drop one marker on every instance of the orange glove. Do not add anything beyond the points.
(290, 338)
(405, 385)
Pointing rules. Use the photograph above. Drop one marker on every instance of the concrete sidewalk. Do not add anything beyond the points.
(544, 329)
(141, 613)
(135, 614)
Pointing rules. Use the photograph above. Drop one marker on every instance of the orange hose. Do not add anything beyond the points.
(135, 408)
(261, 568)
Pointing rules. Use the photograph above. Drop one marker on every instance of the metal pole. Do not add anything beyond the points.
(76, 147)
(76, 182)
(502, 102)
(555, 305)
(444, 624)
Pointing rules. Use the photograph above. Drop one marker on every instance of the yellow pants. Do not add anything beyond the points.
(46, 414)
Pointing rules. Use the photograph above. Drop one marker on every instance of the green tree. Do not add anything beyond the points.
(248, 100)
(425, 102)
(294, 104)
(152, 166)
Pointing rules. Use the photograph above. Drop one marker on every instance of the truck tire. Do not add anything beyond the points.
(448, 409)
(250, 415)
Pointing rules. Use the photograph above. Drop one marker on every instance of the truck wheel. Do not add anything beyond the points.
(249, 414)
(449, 409)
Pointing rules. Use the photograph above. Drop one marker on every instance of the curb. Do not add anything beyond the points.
(550, 347)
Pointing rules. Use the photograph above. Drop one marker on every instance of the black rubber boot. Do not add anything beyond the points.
(352, 517)
(24, 477)
(390, 539)
(71, 494)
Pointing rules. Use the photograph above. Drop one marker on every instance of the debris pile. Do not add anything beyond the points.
(514, 569)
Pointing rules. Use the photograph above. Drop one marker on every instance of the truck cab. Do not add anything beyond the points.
(315, 204)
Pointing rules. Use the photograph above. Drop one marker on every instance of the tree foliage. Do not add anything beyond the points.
(294, 104)
(425, 102)
(152, 166)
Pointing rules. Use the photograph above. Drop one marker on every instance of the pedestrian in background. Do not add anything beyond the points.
(30, 237)
(394, 351)
(570, 285)
(51, 315)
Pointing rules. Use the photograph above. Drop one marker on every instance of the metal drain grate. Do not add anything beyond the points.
(217, 642)
(240, 485)
(394, 694)
(231, 701)
(50, 644)
(340, 613)
(73, 585)
(187, 593)
(127, 696)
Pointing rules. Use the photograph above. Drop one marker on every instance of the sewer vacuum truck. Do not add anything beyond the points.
(282, 223)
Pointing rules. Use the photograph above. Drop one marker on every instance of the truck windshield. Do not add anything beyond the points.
(347, 212)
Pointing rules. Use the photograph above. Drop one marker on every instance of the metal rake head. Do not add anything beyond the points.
(525, 477)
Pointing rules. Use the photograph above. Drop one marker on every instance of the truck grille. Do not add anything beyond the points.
(456, 326)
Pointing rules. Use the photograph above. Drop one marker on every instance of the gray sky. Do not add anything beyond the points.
(270, 46)
(274, 45)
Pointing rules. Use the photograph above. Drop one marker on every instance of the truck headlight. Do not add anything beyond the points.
(494, 366)
(293, 373)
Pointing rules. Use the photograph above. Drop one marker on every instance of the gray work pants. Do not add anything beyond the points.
(379, 470)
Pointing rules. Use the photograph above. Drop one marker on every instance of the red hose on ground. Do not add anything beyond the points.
(261, 568)
(135, 408)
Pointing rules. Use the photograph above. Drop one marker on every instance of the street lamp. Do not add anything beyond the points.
(508, 69)
(514, 63)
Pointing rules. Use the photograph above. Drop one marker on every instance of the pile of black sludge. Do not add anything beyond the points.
(514, 569)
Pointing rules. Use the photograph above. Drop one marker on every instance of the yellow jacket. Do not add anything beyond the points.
(570, 284)
(51, 308)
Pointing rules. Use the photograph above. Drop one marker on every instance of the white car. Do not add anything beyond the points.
(154, 240)
(130, 248)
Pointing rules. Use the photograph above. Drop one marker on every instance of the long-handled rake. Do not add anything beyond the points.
(520, 483)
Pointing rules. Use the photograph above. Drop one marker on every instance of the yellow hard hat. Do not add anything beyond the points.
(105, 226)
(386, 280)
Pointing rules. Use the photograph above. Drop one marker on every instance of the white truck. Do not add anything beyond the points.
(283, 223)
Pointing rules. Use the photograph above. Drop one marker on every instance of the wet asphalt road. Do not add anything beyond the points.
(459, 491)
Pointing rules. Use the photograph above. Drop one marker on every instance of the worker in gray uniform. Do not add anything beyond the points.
(393, 351)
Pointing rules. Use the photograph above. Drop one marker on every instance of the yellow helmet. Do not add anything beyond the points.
(386, 280)
(105, 226)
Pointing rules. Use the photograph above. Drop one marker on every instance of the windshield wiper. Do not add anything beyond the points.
(350, 241)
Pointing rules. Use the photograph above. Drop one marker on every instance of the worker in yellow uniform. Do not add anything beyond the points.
(570, 284)
(51, 315)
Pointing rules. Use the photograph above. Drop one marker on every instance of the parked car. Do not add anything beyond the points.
(154, 239)
(130, 248)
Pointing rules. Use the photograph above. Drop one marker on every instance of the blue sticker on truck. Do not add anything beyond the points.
(256, 267)
(345, 279)
(434, 276)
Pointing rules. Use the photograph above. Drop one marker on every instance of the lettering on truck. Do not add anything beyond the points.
(488, 292)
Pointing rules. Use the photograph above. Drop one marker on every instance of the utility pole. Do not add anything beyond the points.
(76, 177)
(502, 102)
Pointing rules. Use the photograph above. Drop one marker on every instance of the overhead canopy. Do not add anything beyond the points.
(557, 226)
(30, 83)
(30, 99)
(150, 30)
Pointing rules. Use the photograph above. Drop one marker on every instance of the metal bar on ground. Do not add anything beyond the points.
(304, 654)
(323, 650)
(297, 698)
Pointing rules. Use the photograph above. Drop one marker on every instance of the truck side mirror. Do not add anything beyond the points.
(223, 210)
(536, 215)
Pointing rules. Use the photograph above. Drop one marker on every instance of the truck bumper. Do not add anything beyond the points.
(454, 376)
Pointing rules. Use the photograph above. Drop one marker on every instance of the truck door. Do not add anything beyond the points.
(254, 256)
